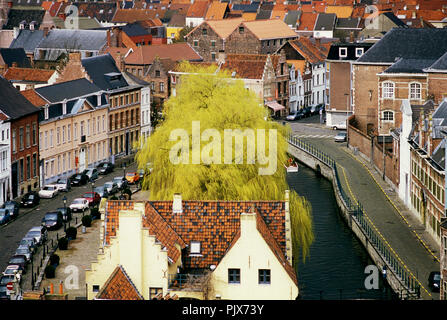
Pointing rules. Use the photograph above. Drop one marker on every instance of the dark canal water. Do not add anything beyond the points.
(335, 268)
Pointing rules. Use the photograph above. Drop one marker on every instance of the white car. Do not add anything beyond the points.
(79, 204)
(13, 270)
(49, 191)
(340, 137)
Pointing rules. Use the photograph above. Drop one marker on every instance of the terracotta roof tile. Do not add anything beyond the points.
(278, 14)
(223, 27)
(198, 9)
(216, 10)
(144, 55)
(46, 5)
(213, 223)
(32, 96)
(134, 15)
(307, 21)
(119, 287)
(54, 9)
(270, 29)
(29, 74)
(340, 11)
(310, 51)
(249, 16)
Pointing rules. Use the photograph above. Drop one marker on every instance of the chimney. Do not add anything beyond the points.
(16, 32)
(45, 31)
(121, 62)
(351, 36)
(74, 57)
(14, 64)
(177, 206)
(98, 99)
(10, 4)
(248, 223)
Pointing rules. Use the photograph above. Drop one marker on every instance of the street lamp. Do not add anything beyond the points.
(124, 167)
(93, 185)
(65, 212)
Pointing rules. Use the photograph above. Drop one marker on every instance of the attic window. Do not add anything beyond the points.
(46, 110)
(195, 247)
(157, 73)
(343, 52)
(204, 31)
(358, 52)
(95, 288)
(241, 30)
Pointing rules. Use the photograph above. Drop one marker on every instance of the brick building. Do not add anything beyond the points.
(24, 126)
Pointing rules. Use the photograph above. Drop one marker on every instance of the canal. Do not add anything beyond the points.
(335, 268)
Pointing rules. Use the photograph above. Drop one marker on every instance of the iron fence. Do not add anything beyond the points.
(408, 280)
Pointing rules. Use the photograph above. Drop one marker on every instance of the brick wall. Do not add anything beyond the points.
(437, 86)
(204, 47)
(245, 42)
(73, 69)
(340, 83)
(365, 85)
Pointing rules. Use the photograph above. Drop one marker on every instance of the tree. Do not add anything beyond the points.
(181, 35)
(219, 102)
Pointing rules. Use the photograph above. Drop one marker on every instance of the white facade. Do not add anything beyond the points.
(296, 90)
(318, 84)
(5, 162)
(24, 85)
(405, 153)
(145, 108)
(193, 21)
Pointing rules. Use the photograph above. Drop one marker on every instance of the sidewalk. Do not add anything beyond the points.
(404, 234)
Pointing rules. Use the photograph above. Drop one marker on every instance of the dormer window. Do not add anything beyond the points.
(64, 107)
(196, 43)
(195, 247)
(343, 52)
(358, 52)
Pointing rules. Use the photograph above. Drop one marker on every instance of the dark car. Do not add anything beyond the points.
(102, 191)
(434, 281)
(121, 182)
(30, 199)
(79, 179)
(30, 242)
(66, 213)
(19, 260)
(13, 208)
(306, 112)
(105, 167)
(53, 220)
(93, 198)
(4, 216)
(4, 293)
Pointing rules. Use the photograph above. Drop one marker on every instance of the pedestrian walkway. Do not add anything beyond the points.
(403, 234)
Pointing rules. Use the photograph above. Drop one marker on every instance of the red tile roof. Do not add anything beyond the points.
(213, 223)
(307, 21)
(119, 287)
(246, 66)
(28, 74)
(310, 51)
(198, 9)
(32, 96)
(55, 8)
(144, 55)
(216, 10)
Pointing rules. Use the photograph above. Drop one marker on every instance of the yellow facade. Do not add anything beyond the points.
(146, 263)
(172, 33)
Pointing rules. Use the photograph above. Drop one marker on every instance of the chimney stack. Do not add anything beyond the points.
(351, 36)
(177, 206)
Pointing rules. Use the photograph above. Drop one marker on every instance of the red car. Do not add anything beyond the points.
(93, 198)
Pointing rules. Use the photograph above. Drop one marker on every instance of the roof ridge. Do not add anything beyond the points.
(130, 281)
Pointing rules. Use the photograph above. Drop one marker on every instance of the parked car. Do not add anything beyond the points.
(92, 174)
(30, 242)
(93, 198)
(39, 233)
(66, 213)
(13, 208)
(111, 187)
(30, 199)
(102, 191)
(63, 184)
(19, 260)
(53, 220)
(4, 216)
(434, 281)
(48, 191)
(7, 279)
(12, 270)
(306, 112)
(132, 177)
(340, 137)
(79, 204)
(4, 293)
(340, 125)
(79, 179)
(105, 167)
(295, 116)
(25, 251)
(121, 182)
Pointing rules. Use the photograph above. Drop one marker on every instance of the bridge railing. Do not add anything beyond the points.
(407, 279)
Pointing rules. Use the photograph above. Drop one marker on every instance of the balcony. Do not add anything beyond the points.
(188, 282)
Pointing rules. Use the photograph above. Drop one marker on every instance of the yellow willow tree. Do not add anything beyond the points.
(200, 167)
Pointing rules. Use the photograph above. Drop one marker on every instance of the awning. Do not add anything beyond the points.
(275, 106)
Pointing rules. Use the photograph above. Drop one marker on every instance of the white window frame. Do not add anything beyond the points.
(195, 247)
(415, 95)
(343, 49)
(359, 52)
(388, 88)
(388, 119)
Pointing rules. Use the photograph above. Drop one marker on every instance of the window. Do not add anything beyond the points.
(196, 43)
(68, 132)
(358, 52)
(153, 292)
(28, 167)
(28, 138)
(241, 30)
(95, 288)
(264, 276)
(213, 56)
(21, 138)
(58, 136)
(21, 170)
(157, 73)
(63, 134)
(415, 91)
(34, 133)
(343, 52)
(46, 113)
(388, 90)
(75, 131)
(162, 87)
(195, 247)
(46, 139)
(51, 138)
(204, 32)
(234, 275)
(213, 43)
(388, 116)
(34, 164)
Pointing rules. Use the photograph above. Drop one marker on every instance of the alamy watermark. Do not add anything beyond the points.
(211, 152)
